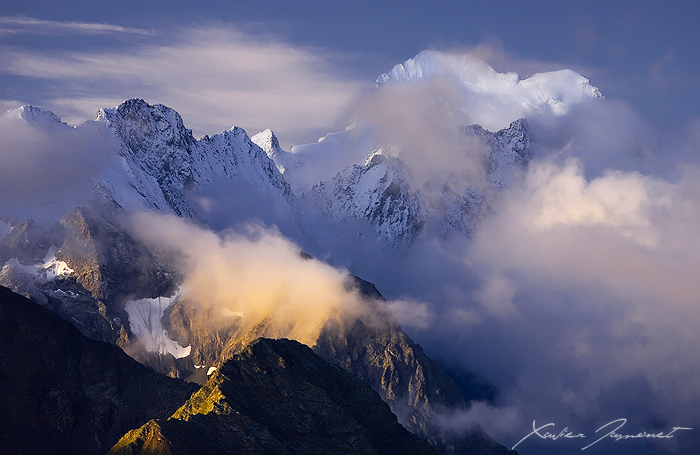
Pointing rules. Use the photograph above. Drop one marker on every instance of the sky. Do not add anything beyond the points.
(293, 66)
(581, 288)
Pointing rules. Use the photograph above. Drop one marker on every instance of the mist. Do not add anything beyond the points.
(254, 274)
(48, 167)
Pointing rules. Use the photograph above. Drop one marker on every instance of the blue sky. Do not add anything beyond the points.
(292, 66)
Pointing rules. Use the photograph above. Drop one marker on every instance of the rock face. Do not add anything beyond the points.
(91, 265)
(379, 192)
(415, 387)
(277, 397)
(106, 260)
(63, 393)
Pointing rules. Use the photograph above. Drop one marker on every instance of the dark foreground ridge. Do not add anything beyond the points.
(277, 397)
(62, 393)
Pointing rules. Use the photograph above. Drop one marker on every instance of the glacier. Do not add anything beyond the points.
(145, 322)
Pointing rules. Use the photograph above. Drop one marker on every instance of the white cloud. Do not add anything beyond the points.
(410, 313)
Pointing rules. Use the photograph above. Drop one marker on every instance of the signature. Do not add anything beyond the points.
(612, 429)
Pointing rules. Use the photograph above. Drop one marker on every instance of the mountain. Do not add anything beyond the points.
(277, 396)
(369, 190)
(63, 393)
(379, 192)
(89, 269)
(152, 162)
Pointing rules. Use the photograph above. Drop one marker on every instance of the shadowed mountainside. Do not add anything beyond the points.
(62, 393)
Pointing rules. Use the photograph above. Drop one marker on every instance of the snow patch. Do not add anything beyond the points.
(145, 322)
(48, 269)
(53, 268)
(211, 370)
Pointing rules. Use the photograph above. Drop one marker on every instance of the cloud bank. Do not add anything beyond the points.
(46, 165)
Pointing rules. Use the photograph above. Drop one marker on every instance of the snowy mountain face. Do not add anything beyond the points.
(378, 191)
(35, 116)
(166, 169)
(267, 141)
(400, 205)
(150, 161)
(154, 164)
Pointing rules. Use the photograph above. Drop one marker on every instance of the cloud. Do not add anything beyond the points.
(410, 313)
(496, 421)
(600, 281)
(658, 69)
(606, 134)
(416, 118)
(16, 25)
(256, 275)
(214, 76)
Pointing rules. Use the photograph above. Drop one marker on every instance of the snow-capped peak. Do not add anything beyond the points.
(34, 115)
(464, 68)
(267, 141)
(493, 99)
(140, 123)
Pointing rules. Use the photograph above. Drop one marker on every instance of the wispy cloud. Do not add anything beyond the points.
(216, 77)
(15, 25)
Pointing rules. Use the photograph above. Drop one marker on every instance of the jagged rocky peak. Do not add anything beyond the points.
(164, 168)
(401, 205)
(277, 396)
(378, 191)
(143, 126)
(267, 141)
(508, 151)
